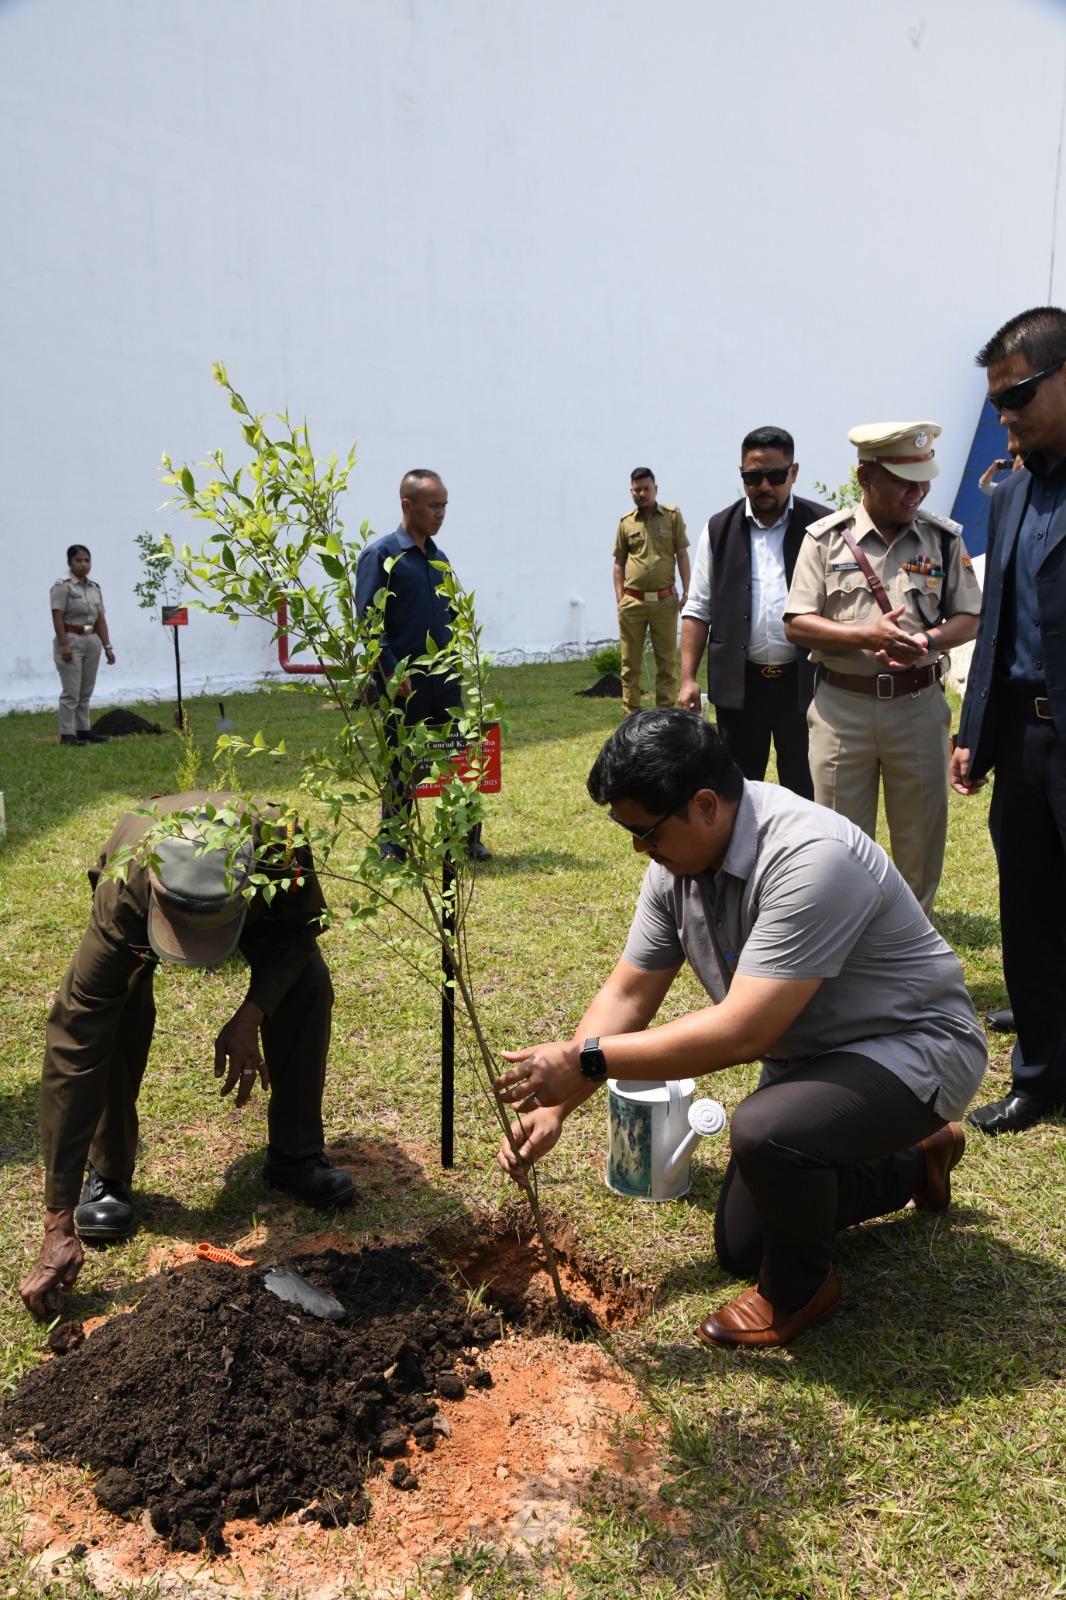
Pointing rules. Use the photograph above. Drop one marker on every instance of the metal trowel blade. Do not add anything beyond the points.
(288, 1285)
(224, 723)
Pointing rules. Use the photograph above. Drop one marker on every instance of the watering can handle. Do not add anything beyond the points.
(674, 1089)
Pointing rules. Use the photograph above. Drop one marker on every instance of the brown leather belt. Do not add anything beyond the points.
(74, 627)
(887, 685)
(651, 594)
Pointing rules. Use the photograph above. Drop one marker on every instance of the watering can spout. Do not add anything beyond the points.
(705, 1117)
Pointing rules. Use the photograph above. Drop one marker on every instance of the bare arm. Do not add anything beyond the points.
(100, 629)
(745, 1026)
(625, 1003)
(693, 643)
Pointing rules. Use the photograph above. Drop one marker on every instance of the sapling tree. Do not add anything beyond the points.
(162, 579)
(275, 545)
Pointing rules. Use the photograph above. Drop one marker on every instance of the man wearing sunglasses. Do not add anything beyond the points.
(818, 960)
(881, 592)
(758, 682)
(1014, 713)
(648, 542)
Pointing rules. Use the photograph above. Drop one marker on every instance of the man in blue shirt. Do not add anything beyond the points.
(416, 609)
(1014, 714)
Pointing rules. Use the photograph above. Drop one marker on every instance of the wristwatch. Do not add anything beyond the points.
(592, 1061)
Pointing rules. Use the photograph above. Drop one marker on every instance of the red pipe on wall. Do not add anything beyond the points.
(301, 667)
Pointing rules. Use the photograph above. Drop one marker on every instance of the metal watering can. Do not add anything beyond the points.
(654, 1128)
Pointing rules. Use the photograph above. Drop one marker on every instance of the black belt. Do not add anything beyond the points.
(767, 669)
(1035, 705)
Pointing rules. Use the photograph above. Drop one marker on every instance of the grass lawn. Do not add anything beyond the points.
(913, 1447)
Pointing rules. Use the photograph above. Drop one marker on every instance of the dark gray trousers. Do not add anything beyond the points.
(831, 1145)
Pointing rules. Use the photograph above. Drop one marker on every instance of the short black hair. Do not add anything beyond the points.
(1038, 334)
(769, 439)
(414, 482)
(73, 549)
(659, 759)
(641, 472)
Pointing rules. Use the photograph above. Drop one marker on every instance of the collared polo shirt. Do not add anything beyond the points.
(803, 893)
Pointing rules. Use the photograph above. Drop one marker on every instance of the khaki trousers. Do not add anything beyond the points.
(858, 742)
(635, 619)
(97, 1040)
(78, 678)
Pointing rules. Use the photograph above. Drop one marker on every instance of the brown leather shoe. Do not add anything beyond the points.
(751, 1322)
(942, 1152)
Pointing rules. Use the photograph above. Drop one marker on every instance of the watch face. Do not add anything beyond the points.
(593, 1064)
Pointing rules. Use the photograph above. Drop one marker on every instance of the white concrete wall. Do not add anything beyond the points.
(530, 245)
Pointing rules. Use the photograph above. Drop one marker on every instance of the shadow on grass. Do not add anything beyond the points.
(964, 930)
(936, 1312)
(520, 864)
(19, 1140)
(381, 1171)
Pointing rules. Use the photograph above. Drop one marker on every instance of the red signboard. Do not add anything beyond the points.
(461, 754)
(175, 616)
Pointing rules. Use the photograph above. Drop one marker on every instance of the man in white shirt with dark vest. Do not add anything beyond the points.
(759, 684)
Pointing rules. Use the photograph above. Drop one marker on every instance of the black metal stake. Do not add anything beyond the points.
(179, 714)
(447, 1024)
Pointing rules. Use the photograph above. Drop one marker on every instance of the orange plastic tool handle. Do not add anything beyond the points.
(216, 1252)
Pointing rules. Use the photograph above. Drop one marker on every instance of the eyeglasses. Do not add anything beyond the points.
(1020, 394)
(642, 835)
(754, 476)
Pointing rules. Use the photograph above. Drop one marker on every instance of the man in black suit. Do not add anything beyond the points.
(1014, 714)
(759, 684)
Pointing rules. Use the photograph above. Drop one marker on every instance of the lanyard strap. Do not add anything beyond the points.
(867, 571)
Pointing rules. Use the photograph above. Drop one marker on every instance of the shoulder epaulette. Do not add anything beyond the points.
(945, 524)
(833, 520)
(664, 507)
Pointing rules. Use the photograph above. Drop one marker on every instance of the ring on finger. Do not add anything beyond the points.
(533, 1096)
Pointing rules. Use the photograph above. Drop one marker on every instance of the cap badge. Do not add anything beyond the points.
(921, 439)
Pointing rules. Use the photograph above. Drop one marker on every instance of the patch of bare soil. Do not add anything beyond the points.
(503, 1258)
(313, 1454)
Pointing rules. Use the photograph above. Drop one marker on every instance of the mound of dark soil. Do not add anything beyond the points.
(214, 1400)
(609, 687)
(120, 724)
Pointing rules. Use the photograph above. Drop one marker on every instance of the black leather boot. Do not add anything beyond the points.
(310, 1178)
(106, 1209)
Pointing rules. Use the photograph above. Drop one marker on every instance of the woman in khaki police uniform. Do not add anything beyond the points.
(80, 632)
(879, 712)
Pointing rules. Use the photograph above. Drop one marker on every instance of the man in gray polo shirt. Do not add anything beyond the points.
(819, 961)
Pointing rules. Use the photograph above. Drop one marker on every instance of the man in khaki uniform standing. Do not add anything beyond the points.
(647, 543)
(881, 590)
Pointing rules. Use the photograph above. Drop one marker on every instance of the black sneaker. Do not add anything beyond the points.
(87, 736)
(71, 738)
(310, 1178)
(106, 1209)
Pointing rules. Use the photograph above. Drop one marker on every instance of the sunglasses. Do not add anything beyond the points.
(642, 835)
(1020, 394)
(754, 476)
